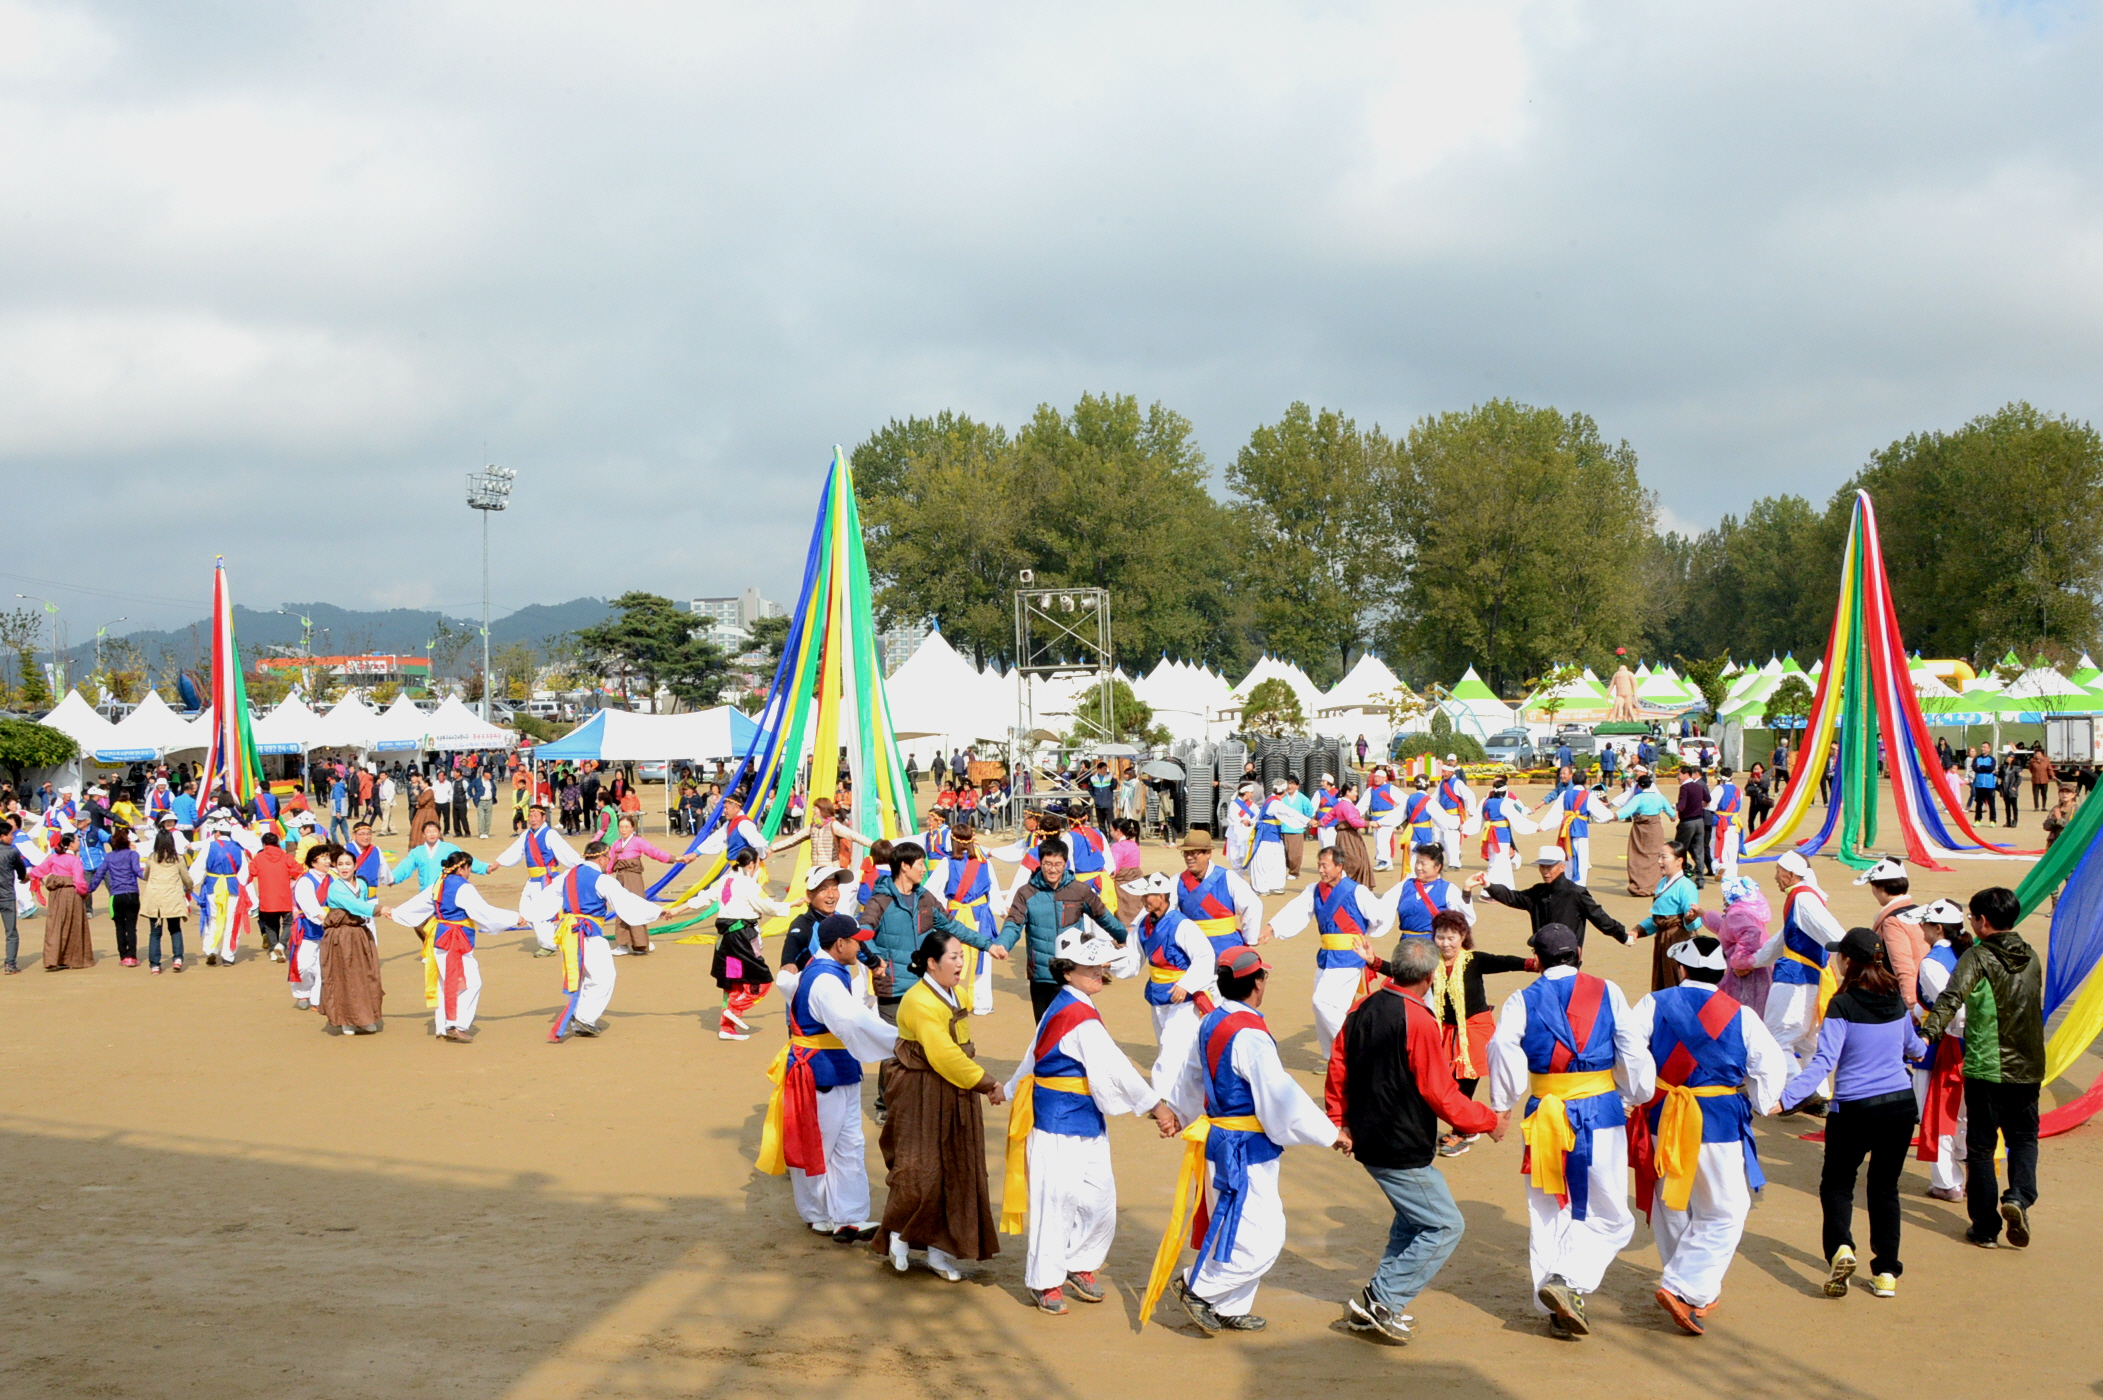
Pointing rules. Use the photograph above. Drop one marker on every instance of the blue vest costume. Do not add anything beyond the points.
(450, 914)
(1336, 916)
(1412, 915)
(1063, 1111)
(1497, 825)
(1417, 817)
(540, 854)
(585, 901)
(1719, 1060)
(368, 866)
(1157, 939)
(1209, 902)
(318, 882)
(1944, 957)
(1547, 1029)
(1268, 827)
(1803, 957)
(1231, 1151)
(1380, 801)
(829, 1068)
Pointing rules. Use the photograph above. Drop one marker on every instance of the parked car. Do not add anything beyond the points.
(1512, 746)
(1580, 740)
(652, 770)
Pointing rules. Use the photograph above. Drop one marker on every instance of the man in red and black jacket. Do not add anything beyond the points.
(1390, 1082)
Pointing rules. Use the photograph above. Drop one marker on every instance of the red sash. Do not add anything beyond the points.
(452, 941)
(1938, 1115)
(1207, 902)
(1425, 895)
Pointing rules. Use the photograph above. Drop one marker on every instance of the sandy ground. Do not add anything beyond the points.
(205, 1196)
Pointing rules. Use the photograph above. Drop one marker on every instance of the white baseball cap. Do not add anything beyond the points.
(1085, 948)
(825, 875)
(1550, 855)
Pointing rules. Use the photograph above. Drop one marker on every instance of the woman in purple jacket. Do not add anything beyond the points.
(121, 872)
(1864, 1044)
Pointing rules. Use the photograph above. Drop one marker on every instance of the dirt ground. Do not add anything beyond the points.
(205, 1196)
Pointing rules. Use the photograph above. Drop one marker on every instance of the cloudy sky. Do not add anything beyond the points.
(276, 275)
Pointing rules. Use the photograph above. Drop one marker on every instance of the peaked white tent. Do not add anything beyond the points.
(153, 726)
(351, 724)
(940, 702)
(76, 719)
(1475, 709)
(289, 728)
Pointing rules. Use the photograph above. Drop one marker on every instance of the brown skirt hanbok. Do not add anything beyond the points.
(351, 991)
(1648, 860)
(1672, 931)
(1352, 853)
(934, 1146)
(1129, 906)
(634, 937)
(66, 941)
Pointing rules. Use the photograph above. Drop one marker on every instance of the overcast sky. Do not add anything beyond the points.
(275, 276)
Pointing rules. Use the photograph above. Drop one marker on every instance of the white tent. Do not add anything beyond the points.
(622, 736)
(290, 728)
(1475, 709)
(153, 726)
(939, 702)
(76, 719)
(350, 725)
(400, 726)
(1359, 704)
(452, 727)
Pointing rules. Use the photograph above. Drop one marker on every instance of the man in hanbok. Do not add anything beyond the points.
(1217, 899)
(224, 897)
(1503, 821)
(1799, 953)
(579, 904)
(1267, 857)
(1728, 807)
(1241, 1110)
(1180, 971)
(1567, 1051)
(964, 882)
(546, 855)
(1458, 801)
(1346, 914)
(457, 912)
(1572, 809)
(1383, 812)
(1696, 1163)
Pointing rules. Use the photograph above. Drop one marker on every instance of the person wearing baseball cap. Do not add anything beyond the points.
(1569, 810)
(813, 1128)
(1554, 898)
(1459, 802)
(1696, 1165)
(825, 889)
(1383, 811)
(1180, 970)
(1217, 899)
(1938, 1085)
(1243, 1111)
(1567, 1048)
(1058, 1170)
(1798, 953)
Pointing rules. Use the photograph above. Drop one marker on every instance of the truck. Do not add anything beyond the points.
(2070, 740)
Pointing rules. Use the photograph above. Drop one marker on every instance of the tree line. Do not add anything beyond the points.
(1506, 536)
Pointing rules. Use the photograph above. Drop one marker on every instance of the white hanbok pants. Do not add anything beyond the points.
(1727, 865)
(1580, 854)
(1500, 870)
(470, 995)
(1230, 1285)
(543, 929)
(1698, 1243)
(307, 963)
(1578, 1251)
(1384, 841)
(840, 1194)
(1792, 1017)
(981, 982)
(1946, 1172)
(595, 988)
(1334, 990)
(1450, 842)
(1175, 1030)
(1073, 1207)
(1267, 867)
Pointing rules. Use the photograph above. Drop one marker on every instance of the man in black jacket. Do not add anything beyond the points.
(1557, 899)
(1390, 1081)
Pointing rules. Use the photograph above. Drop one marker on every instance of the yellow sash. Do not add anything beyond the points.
(1022, 1116)
(1189, 1181)
(1165, 974)
(429, 933)
(1340, 942)
(966, 990)
(1547, 1131)
(770, 1159)
(1214, 928)
(1828, 980)
(1677, 1151)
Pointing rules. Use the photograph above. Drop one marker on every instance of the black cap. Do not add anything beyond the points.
(834, 927)
(1861, 945)
(1550, 939)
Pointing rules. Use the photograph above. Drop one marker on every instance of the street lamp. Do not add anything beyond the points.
(58, 679)
(100, 633)
(488, 491)
(306, 647)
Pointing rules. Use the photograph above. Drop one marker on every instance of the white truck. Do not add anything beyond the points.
(2070, 740)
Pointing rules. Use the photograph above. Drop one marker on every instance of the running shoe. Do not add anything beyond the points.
(1684, 1315)
(1365, 1313)
(1842, 1268)
(2018, 1222)
(1884, 1285)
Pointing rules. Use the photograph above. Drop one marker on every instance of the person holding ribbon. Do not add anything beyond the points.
(1241, 1110)
(934, 1137)
(1696, 1163)
(625, 858)
(546, 855)
(456, 911)
(1346, 914)
(813, 1128)
(1566, 1048)
(1059, 1178)
(1180, 972)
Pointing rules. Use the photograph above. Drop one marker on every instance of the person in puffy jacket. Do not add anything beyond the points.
(1049, 902)
(1998, 983)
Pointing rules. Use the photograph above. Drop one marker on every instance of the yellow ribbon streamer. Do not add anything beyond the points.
(771, 1159)
(1022, 1116)
(1677, 1149)
(1190, 1179)
(1547, 1131)
(429, 934)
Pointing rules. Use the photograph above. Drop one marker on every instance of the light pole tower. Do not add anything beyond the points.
(488, 490)
(100, 633)
(58, 679)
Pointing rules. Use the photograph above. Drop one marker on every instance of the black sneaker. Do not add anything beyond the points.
(2018, 1222)
(1365, 1313)
(1245, 1322)
(1566, 1305)
(1208, 1321)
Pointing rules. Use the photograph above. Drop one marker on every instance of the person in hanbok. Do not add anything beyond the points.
(1345, 914)
(352, 993)
(1502, 820)
(62, 880)
(457, 912)
(1274, 818)
(626, 857)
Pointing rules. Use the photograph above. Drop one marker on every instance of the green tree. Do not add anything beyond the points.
(651, 637)
(268, 685)
(1132, 719)
(516, 666)
(20, 629)
(1520, 530)
(446, 644)
(25, 745)
(1705, 674)
(769, 636)
(1272, 708)
(1312, 487)
(1991, 535)
(1791, 700)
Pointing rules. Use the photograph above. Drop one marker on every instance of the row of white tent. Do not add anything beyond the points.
(153, 730)
(941, 702)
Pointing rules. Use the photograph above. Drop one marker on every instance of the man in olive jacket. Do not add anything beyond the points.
(1999, 985)
(1049, 901)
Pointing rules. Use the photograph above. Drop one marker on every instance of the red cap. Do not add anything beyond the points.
(1244, 961)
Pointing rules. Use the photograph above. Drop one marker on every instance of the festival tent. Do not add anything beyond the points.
(1474, 708)
(1865, 693)
(1360, 703)
(621, 736)
(400, 726)
(936, 695)
(289, 728)
(1663, 690)
(351, 724)
(154, 727)
(454, 727)
(2085, 673)
(76, 719)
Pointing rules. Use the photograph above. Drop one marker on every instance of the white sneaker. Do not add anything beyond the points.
(735, 1019)
(822, 1227)
(620, 952)
(732, 1035)
(901, 1258)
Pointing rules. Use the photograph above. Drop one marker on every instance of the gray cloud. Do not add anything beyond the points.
(279, 275)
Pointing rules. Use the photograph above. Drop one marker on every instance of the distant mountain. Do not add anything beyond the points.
(342, 631)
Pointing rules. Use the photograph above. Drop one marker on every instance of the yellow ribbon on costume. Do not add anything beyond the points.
(569, 948)
(771, 1161)
(1828, 980)
(1022, 1116)
(1164, 974)
(1218, 928)
(1677, 1149)
(1190, 1179)
(966, 989)
(1339, 942)
(1547, 1131)
(429, 934)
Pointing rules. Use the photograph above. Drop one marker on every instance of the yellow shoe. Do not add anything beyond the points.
(1884, 1285)
(1843, 1268)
